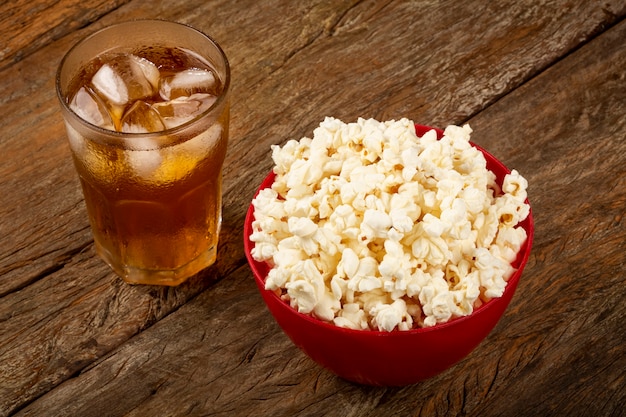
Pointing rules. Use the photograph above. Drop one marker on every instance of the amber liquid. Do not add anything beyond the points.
(160, 225)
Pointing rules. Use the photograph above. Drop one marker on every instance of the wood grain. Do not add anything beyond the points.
(200, 356)
(27, 25)
(543, 85)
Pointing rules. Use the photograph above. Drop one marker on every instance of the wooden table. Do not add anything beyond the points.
(541, 82)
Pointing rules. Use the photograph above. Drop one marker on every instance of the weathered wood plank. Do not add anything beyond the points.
(46, 244)
(322, 59)
(221, 354)
(27, 25)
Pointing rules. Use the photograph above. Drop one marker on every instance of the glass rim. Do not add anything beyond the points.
(161, 133)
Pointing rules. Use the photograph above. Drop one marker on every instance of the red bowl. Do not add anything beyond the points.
(394, 358)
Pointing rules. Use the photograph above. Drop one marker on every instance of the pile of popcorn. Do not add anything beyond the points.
(370, 227)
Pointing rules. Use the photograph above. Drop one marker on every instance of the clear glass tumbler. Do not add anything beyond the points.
(146, 108)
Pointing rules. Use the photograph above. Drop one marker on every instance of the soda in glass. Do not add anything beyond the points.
(146, 109)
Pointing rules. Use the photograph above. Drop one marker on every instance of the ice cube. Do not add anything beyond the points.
(188, 82)
(143, 156)
(149, 71)
(179, 161)
(89, 107)
(202, 144)
(141, 118)
(160, 166)
(174, 167)
(110, 85)
(144, 163)
(183, 109)
(77, 142)
(126, 78)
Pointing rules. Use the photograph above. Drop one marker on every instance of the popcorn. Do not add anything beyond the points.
(368, 226)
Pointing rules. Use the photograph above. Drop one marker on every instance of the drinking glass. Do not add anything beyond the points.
(154, 199)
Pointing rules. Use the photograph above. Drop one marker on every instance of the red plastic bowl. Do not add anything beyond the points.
(394, 358)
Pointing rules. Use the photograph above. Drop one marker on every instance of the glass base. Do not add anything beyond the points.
(169, 277)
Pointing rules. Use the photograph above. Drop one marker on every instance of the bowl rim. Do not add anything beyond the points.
(521, 260)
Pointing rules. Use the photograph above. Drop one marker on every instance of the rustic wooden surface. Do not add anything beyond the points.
(542, 83)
